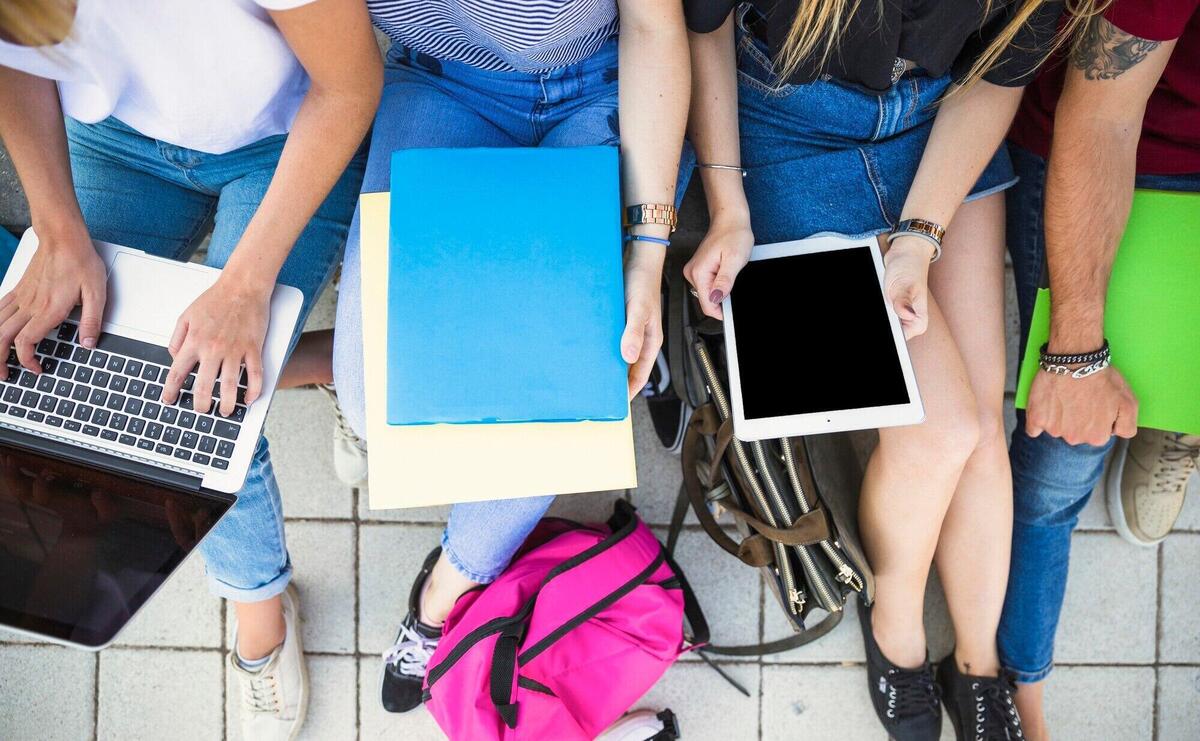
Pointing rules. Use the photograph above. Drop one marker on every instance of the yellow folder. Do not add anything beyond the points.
(424, 465)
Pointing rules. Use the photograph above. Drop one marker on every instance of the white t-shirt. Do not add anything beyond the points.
(209, 75)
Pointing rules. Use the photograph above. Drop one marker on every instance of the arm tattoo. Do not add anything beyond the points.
(1105, 52)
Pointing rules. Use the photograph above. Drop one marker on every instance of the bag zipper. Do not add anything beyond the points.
(846, 573)
(795, 596)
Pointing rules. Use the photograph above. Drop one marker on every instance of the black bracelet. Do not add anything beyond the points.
(1087, 357)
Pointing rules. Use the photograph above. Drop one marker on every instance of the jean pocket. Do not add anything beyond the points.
(757, 71)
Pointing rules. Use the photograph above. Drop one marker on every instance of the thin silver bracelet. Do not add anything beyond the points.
(722, 167)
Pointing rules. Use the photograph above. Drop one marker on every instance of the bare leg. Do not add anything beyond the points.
(443, 588)
(260, 627)
(976, 538)
(909, 482)
(1033, 711)
(311, 362)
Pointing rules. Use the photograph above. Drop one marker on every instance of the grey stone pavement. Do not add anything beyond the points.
(1129, 646)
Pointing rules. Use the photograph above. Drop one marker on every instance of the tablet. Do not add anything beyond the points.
(813, 346)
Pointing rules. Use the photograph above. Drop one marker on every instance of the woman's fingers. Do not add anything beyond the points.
(183, 362)
(231, 369)
(206, 378)
(254, 377)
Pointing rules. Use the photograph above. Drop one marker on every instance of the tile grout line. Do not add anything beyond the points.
(96, 697)
(1158, 636)
(356, 495)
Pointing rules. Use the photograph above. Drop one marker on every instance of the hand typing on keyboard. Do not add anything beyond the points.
(114, 395)
(222, 330)
(63, 272)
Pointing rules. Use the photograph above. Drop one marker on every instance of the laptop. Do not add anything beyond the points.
(105, 490)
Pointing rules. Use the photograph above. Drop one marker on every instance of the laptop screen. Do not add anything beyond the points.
(81, 550)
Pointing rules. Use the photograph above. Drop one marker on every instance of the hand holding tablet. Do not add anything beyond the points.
(813, 345)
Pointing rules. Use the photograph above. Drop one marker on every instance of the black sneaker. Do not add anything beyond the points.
(668, 413)
(906, 700)
(980, 708)
(404, 664)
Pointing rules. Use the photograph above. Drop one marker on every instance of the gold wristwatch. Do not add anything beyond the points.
(652, 213)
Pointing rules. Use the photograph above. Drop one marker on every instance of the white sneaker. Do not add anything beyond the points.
(643, 725)
(349, 450)
(275, 695)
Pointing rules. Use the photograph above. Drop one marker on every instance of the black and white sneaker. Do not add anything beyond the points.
(404, 664)
(668, 413)
(906, 700)
(980, 708)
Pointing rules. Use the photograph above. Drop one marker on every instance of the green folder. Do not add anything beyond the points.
(1152, 319)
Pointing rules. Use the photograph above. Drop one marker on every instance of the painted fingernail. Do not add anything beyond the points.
(716, 297)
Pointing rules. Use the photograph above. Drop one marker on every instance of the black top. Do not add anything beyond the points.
(937, 35)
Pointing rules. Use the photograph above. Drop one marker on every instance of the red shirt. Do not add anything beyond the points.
(1170, 143)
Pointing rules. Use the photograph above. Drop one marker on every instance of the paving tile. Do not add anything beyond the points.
(332, 703)
(708, 707)
(389, 556)
(1084, 703)
(1178, 703)
(729, 592)
(46, 693)
(144, 691)
(1181, 595)
(300, 428)
(186, 593)
(818, 702)
(658, 471)
(1010, 416)
(378, 724)
(323, 562)
(411, 514)
(1109, 614)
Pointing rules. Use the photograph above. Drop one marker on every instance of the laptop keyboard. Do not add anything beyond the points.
(114, 393)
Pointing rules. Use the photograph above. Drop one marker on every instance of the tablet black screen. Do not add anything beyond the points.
(813, 336)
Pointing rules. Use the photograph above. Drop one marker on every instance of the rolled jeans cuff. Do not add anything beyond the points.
(1030, 677)
(479, 577)
(273, 588)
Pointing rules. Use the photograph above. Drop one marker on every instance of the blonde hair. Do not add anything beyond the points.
(819, 24)
(36, 22)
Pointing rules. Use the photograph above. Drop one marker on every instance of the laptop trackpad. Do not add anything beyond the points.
(147, 294)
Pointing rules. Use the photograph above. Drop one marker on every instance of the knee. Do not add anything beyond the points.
(950, 437)
(992, 435)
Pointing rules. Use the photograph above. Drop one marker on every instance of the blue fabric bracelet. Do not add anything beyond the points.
(644, 238)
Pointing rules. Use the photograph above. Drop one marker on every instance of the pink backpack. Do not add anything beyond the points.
(580, 625)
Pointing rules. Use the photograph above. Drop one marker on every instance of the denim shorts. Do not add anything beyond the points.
(825, 157)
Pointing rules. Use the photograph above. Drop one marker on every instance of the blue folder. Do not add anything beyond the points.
(505, 286)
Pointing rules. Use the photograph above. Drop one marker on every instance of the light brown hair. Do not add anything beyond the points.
(819, 24)
(36, 22)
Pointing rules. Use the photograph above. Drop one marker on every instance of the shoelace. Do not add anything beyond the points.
(1178, 460)
(260, 694)
(910, 694)
(996, 717)
(411, 652)
(343, 430)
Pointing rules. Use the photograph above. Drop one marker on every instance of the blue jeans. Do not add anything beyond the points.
(153, 196)
(824, 157)
(429, 102)
(1052, 480)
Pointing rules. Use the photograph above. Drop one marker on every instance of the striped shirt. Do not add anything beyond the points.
(512, 35)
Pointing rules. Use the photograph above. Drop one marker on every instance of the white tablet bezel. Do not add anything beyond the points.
(841, 420)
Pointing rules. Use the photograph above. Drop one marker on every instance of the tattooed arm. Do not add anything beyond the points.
(1089, 188)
